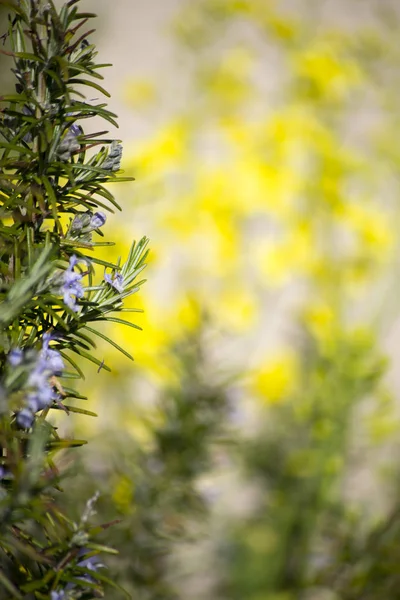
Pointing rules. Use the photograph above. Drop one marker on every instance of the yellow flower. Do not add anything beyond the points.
(330, 73)
(321, 318)
(228, 79)
(235, 309)
(276, 378)
(370, 224)
(163, 151)
(188, 314)
(140, 93)
(292, 256)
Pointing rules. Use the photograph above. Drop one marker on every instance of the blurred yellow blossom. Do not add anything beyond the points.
(228, 80)
(328, 72)
(276, 378)
(235, 309)
(140, 93)
(292, 254)
(166, 150)
(321, 318)
(371, 224)
(123, 494)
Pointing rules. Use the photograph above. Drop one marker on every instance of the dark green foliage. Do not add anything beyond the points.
(53, 180)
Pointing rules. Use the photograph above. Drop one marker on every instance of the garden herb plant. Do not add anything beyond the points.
(53, 203)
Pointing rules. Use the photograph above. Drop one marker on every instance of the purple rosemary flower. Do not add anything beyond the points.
(91, 564)
(57, 595)
(5, 474)
(98, 220)
(50, 359)
(71, 285)
(41, 398)
(25, 418)
(80, 222)
(68, 146)
(113, 160)
(40, 393)
(49, 363)
(75, 129)
(38, 376)
(84, 223)
(117, 282)
(15, 357)
(53, 360)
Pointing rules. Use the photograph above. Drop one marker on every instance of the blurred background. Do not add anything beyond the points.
(251, 451)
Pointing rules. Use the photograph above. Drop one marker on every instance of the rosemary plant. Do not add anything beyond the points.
(53, 203)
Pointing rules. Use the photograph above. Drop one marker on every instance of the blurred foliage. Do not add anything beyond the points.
(271, 197)
(151, 486)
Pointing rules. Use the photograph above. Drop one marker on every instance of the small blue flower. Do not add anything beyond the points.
(38, 376)
(81, 223)
(68, 146)
(49, 363)
(40, 393)
(113, 160)
(53, 361)
(73, 261)
(25, 418)
(75, 129)
(57, 595)
(98, 220)
(91, 564)
(116, 282)
(5, 474)
(46, 339)
(71, 285)
(15, 357)
(41, 398)
(77, 224)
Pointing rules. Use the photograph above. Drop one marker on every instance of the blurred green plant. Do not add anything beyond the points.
(52, 186)
(152, 483)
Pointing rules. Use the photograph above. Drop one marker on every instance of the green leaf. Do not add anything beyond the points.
(53, 313)
(10, 586)
(91, 358)
(112, 583)
(75, 409)
(107, 339)
(92, 84)
(52, 198)
(62, 443)
(23, 290)
(104, 263)
(73, 364)
(29, 56)
(14, 7)
(71, 393)
(122, 321)
(20, 149)
(101, 548)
